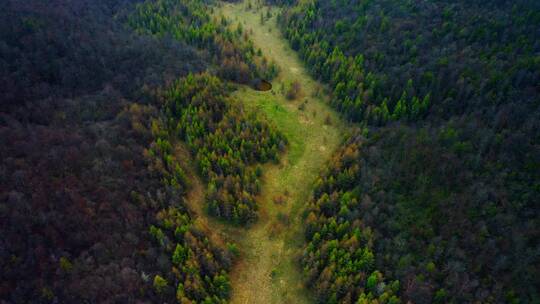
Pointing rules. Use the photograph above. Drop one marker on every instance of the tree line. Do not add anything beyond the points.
(386, 61)
(227, 45)
(434, 191)
(338, 259)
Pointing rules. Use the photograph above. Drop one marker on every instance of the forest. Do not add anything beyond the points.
(92, 194)
(397, 60)
(227, 143)
(227, 46)
(436, 196)
(112, 112)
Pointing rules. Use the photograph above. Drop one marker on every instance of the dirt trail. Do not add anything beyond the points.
(268, 270)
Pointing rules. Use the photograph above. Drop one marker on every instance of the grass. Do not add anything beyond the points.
(268, 271)
(280, 115)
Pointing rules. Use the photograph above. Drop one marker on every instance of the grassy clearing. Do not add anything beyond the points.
(268, 270)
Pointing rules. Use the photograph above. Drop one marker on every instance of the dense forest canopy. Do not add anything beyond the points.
(92, 192)
(391, 60)
(445, 199)
(70, 49)
(111, 111)
(229, 47)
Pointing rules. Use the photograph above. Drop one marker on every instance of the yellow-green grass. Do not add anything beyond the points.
(268, 271)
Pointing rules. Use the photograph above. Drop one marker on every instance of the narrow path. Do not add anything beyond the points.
(269, 271)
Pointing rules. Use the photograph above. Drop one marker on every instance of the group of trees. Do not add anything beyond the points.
(188, 266)
(53, 52)
(183, 263)
(227, 143)
(395, 60)
(194, 269)
(76, 198)
(190, 21)
(447, 211)
(440, 195)
(92, 194)
(338, 259)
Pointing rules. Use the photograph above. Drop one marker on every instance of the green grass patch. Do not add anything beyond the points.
(283, 118)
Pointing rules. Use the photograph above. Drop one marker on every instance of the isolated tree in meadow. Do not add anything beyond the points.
(295, 90)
